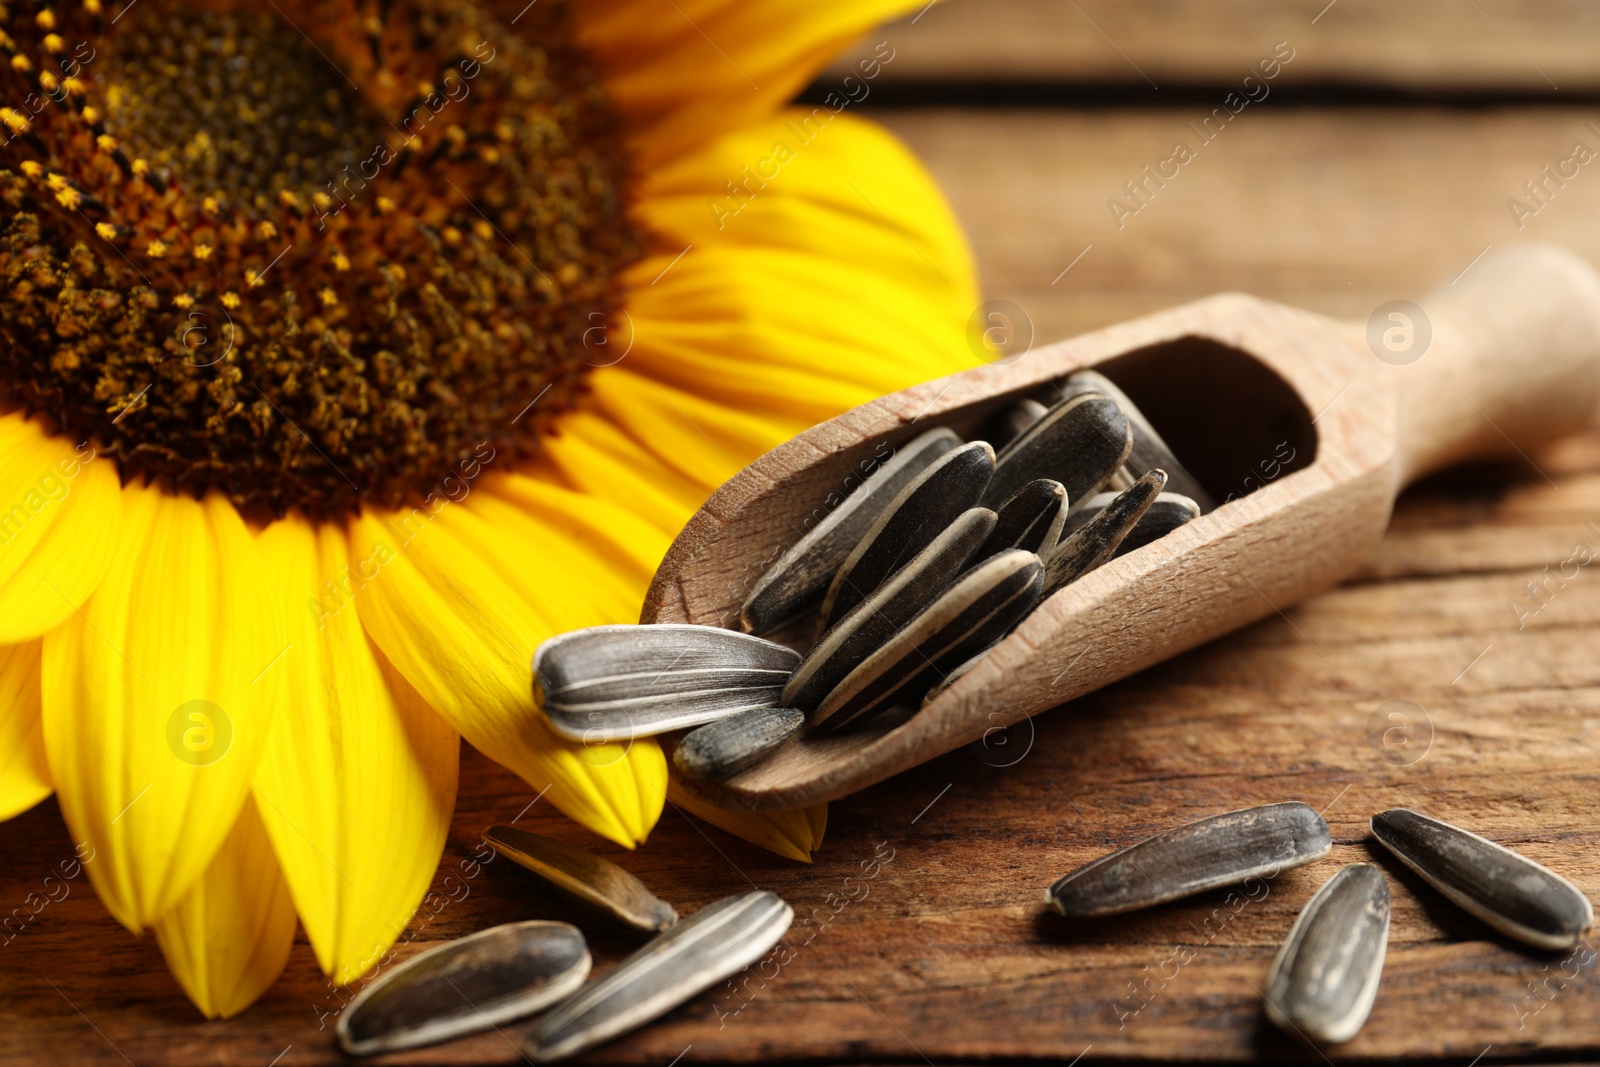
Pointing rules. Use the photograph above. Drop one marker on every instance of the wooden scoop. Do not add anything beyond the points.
(1288, 417)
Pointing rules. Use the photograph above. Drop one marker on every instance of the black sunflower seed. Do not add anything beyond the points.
(610, 683)
(801, 576)
(1149, 451)
(583, 876)
(1223, 850)
(1168, 512)
(951, 485)
(979, 609)
(1098, 538)
(1507, 890)
(714, 943)
(865, 628)
(728, 746)
(1325, 978)
(1080, 442)
(1031, 520)
(464, 986)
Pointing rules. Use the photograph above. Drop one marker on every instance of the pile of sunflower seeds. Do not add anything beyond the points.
(1324, 981)
(900, 590)
(517, 970)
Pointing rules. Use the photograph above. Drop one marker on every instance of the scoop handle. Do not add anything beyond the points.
(1513, 360)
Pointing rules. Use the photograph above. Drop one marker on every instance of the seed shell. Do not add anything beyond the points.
(464, 986)
(1031, 520)
(1223, 850)
(801, 576)
(1098, 538)
(979, 609)
(1149, 451)
(1080, 442)
(608, 683)
(714, 943)
(583, 876)
(1520, 898)
(728, 746)
(1325, 978)
(1168, 512)
(951, 485)
(865, 628)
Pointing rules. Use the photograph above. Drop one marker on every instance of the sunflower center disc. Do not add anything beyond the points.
(312, 257)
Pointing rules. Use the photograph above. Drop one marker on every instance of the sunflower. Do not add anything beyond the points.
(353, 347)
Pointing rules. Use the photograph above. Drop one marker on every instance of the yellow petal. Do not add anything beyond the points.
(157, 698)
(458, 604)
(24, 773)
(683, 73)
(59, 514)
(358, 780)
(228, 938)
(595, 457)
(842, 277)
(792, 834)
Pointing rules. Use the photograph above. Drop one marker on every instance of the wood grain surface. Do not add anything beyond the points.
(938, 948)
(1419, 45)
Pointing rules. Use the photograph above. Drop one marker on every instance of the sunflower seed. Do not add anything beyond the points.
(726, 747)
(896, 602)
(714, 943)
(976, 611)
(1322, 984)
(1507, 890)
(1222, 850)
(583, 876)
(608, 683)
(951, 485)
(464, 986)
(1098, 538)
(1167, 513)
(1031, 520)
(801, 576)
(1080, 443)
(1149, 451)
(1010, 423)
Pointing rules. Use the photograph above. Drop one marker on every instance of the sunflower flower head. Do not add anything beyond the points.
(351, 348)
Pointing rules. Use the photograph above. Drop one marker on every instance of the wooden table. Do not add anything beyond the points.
(945, 953)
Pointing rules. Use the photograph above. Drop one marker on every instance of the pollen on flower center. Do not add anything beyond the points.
(314, 255)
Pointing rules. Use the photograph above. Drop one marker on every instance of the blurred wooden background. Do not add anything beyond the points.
(1380, 163)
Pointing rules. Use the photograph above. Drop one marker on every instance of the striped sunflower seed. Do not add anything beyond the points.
(801, 576)
(896, 602)
(979, 609)
(583, 876)
(464, 986)
(1149, 451)
(1168, 512)
(1031, 520)
(1080, 442)
(951, 484)
(1223, 850)
(609, 683)
(713, 944)
(726, 747)
(1325, 978)
(1012, 421)
(1507, 890)
(1098, 538)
